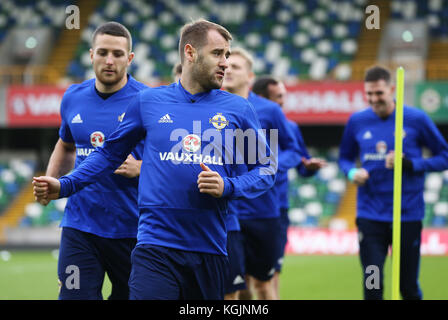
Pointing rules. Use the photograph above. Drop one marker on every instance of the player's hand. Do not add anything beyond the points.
(390, 159)
(360, 177)
(314, 164)
(46, 189)
(130, 168)
(210, 182)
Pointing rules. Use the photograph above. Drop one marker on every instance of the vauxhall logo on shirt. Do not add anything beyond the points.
(191, 146)
(380, 148)
(208, 146)
(381, 151)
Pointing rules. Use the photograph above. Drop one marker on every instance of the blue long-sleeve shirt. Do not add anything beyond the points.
(271, 118)
(370, 138)
(107, 208)
(180, 131)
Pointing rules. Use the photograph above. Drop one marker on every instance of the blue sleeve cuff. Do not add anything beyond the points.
(228, 187)
(417, 165)
(65, 187)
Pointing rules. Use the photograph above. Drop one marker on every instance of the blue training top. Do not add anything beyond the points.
(370, 138)
(107, 208)
(181, 130)
(271, 118)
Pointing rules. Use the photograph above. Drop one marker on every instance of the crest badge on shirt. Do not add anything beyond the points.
(219, 121)
(381, 147)
(403, 134)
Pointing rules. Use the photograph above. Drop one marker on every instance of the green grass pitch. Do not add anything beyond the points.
(32, 275)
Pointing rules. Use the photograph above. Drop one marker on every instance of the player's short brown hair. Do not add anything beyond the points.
(195, 34)
(114, 29)
(377, 73)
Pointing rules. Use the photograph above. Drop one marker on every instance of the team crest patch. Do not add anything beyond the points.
(403, 134)
(219, 121)
(381, 147)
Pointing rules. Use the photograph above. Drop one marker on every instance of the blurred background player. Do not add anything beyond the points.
(261, 216)
(271, 88)
(369, 136)
(181, 248)
(99, 227)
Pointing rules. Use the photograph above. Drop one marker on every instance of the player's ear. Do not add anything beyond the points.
(251, 76)
(392, 87)
(91, 54)
(189, 52)
(131, 57)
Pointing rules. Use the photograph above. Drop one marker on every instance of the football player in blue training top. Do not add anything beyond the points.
(271, 88)
(370, 136)
(260, 217)
(99, 226)
(189, 171)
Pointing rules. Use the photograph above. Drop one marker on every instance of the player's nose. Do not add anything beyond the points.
(223, 63)
(109, 59)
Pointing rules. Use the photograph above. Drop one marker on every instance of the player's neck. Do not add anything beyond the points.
(388, 112)
(241, 91)
(390, 108)
(105, 88)
(191, 85)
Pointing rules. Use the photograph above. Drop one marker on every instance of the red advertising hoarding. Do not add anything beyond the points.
(306, 103)
(309, 241)
(324, 102)
(33, 106)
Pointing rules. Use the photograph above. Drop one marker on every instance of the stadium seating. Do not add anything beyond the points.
(435, 12)
(37, 215)
(32, 14)
(13, 175)
(436, 199)
(306, 39)
(314, 200)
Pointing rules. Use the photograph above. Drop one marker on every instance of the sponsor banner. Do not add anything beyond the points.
(336, 242)
(33, 106)
(432, 97)
(324, 102)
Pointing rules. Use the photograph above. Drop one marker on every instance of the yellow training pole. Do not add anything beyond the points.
(396, 232)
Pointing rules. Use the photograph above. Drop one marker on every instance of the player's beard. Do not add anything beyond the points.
(381, 108)
(204, 75)
(110, 81)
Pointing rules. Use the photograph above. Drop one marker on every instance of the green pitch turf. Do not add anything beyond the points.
(32, 275)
